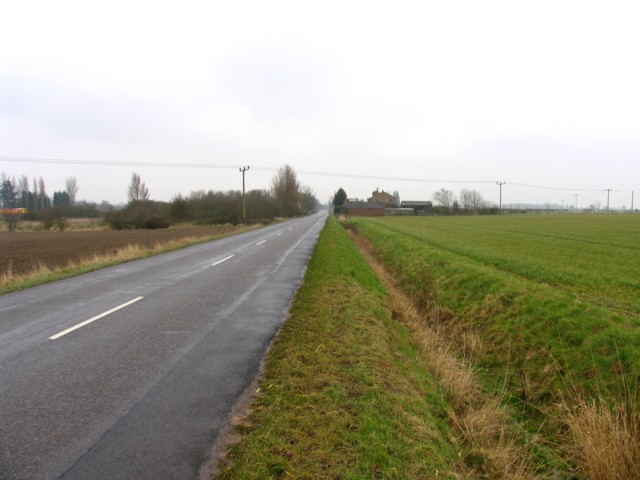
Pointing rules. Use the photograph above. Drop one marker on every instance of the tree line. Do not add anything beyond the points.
(287, 197)
(446, 202)
(33, 196)
(467, 202)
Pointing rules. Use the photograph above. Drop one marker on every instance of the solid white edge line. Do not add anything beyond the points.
(93, 319)
(260, 243)
(220, 261)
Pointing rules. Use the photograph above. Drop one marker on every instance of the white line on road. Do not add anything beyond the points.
(260, 243)
(91, 320)
(278, 234)
(220, 261)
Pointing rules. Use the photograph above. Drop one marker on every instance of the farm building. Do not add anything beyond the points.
(364, 209)
(419, 207)
(399, 212)
(387, 199)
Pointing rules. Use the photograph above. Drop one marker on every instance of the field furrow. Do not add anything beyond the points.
(572, 259)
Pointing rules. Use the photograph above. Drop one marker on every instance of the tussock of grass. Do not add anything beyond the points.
(346, 391)
(606, 441)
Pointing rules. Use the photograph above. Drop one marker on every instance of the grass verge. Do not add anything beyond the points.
(346, 391)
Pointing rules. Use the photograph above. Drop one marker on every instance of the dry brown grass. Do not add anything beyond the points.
(41, 273)
(482, 422)
(606, 441)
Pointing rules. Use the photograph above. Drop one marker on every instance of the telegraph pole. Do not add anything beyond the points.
(244, 210)
(631, 201)
(576, 207)
(500, 185)
(608, 190)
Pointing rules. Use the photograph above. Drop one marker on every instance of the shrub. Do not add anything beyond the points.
(11, 221)
(139, 214)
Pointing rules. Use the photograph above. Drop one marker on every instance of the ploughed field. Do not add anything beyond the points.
(20, 252)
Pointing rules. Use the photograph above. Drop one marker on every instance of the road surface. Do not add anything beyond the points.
(132, 371)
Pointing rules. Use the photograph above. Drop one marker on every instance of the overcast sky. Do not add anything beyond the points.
(407, 96)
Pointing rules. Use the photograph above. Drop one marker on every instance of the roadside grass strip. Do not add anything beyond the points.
(345, 391)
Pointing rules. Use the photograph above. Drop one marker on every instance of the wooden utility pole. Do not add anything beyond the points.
(500, 185)
(244, 209)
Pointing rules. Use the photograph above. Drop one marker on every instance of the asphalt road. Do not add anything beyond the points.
(131, 372)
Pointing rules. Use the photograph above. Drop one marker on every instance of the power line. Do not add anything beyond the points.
(121, 163)
(542, 187)
(398, 179)
(125, 163)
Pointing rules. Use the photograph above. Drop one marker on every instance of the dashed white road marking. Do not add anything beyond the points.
(260, 243)
(93, 319)
(220, 261)
(278, 234)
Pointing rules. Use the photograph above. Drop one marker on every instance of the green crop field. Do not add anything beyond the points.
(553, 299)
(595, 257)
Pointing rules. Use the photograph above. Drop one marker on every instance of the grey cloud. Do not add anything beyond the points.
(279, 85)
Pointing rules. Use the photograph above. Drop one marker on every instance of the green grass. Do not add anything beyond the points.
(346, 392)
(595, 257)
(554, 298)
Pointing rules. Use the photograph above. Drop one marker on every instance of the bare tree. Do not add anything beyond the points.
(35, 193)
(137, 189)
(444, 198)
(472, 200)
(23, 190)
(396, 195)
(72, 188)
(43, 194)
(308, 201)
(286, 191)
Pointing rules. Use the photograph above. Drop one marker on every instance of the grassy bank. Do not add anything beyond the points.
(346, 391)
(552, 309)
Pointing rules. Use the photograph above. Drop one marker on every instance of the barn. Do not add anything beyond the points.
(420, 207)
(364, 209)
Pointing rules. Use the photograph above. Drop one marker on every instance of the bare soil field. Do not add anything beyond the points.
(21, 251)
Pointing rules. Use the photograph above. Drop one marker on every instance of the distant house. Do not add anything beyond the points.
(387, 199)
(420, 207)
(364, 209)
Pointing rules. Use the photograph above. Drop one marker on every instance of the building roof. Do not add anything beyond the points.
(416, 203)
